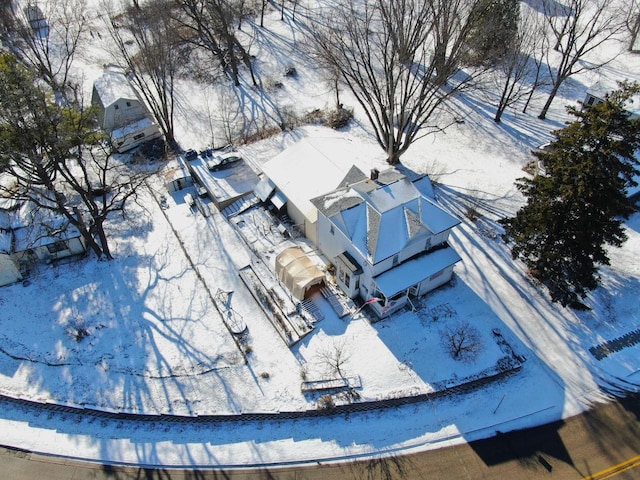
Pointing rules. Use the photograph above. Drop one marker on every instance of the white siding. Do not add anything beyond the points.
(9, 272)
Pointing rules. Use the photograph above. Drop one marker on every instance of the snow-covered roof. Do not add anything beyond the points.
(425, 187)
(175, 171)
(414, 271)
(315, 166)
(384, 197)
(382, 218)
(264, 188)
(227, 184)
(600, 90)
(113, 86)
(134, 127)
(31, 227)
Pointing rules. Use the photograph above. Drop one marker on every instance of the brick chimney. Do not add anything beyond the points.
(374, 174)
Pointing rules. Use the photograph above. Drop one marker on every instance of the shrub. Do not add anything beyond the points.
(339, 118)
(325, 402)
(462, 340)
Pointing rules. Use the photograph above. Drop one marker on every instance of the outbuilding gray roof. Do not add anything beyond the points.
(113, 86)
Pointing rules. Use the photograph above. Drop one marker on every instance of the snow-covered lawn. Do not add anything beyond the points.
(142, 333)
(154, 341)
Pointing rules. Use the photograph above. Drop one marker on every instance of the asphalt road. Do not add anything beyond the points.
(599, 445)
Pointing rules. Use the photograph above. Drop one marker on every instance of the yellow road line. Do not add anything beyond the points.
(615, 470)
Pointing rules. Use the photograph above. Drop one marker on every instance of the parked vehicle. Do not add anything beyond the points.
(221, 162)
(190, 155)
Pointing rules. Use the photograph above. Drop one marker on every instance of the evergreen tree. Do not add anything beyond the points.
(575, 209)
(495, 28)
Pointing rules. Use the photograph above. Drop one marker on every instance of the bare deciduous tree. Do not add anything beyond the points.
(47, 36)
(211, 25)
(577, 28)
(632, 22)
(56, 159)
(148, 46)
(263, 7)
(462, 340)
(520, 67)
(397, 58)
(334, 357)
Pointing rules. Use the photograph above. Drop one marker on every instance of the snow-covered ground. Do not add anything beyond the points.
(157, 344)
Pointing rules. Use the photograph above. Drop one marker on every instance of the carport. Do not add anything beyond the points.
(297, 271)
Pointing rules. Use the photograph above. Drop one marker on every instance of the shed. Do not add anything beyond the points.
(297, 271)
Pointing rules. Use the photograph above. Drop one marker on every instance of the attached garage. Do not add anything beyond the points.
(297, 271)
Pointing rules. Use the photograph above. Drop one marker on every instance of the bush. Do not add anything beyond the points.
(462, 340)
(339, 118)
(325, 402)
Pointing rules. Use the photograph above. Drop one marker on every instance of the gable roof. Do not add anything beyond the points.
(113, 86)
(381, 218)
(315, 166)
(28, 227)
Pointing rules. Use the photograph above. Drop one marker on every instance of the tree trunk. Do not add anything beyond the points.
(533, 89)
(552, 95)
(504, 100)
(634, 34)
(86, 233)
(99, 227)
(393, 156)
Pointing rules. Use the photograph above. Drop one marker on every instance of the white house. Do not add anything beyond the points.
(386, 238)
(309, 168)
(384, 234)
(597, 92)
(121, 111)
(28, 235)
(9, 268)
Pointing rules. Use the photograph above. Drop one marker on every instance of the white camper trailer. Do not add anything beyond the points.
(134, 134)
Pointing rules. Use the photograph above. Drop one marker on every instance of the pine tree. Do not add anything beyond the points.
(495, 29)
(576, 208)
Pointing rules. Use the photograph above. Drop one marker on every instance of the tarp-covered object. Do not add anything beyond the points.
(297, 271)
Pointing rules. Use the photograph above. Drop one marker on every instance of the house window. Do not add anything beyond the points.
(344, 276)
(57, 246)
(138, 136)
(116, 106)
(590, 101)
(128, 104)
(427, 245)
(395, 260)
(331, 230)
